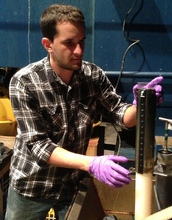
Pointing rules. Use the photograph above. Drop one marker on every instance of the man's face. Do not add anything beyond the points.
(68, 46)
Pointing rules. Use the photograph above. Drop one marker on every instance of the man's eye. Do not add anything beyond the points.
(69, 43)
(82, 43)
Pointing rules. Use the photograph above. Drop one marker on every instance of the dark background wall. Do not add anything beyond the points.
(149, 21)
(20, 32)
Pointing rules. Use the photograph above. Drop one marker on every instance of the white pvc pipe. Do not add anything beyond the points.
(164, 214)
(143, 195)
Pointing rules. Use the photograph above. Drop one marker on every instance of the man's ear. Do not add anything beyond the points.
(47, 44)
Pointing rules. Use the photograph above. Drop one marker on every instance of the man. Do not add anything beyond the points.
(55, 102)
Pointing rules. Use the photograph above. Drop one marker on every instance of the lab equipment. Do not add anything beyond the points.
(145, 134)
(163, 172)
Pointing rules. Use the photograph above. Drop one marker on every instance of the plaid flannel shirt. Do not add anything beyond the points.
(50, 113)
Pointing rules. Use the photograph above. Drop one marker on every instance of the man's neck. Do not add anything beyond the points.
(64, 74)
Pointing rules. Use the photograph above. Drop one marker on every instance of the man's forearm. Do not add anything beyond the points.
(63, 158)
(130, 116)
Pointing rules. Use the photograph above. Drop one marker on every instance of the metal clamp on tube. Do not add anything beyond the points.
(163, 173)
(145, 138)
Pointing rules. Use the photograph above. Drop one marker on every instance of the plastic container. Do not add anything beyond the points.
(8, 124)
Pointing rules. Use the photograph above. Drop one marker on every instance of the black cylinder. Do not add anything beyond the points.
(145, 130)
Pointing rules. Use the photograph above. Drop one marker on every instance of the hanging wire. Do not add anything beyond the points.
(133, 42)
(119, 141)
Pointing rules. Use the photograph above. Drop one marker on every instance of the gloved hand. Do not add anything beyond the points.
(152, 84)
(106, 170)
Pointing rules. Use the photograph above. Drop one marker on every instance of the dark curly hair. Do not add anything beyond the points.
(57, 13)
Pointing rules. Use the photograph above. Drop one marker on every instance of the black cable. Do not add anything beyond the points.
(119, 141)
(133, 41)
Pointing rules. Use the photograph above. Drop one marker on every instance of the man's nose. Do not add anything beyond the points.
(78, 49)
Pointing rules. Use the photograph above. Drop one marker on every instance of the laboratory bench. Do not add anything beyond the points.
(93, 199)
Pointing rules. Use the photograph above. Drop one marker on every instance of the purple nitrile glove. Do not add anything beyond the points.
(152, 84)
(106, 170)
